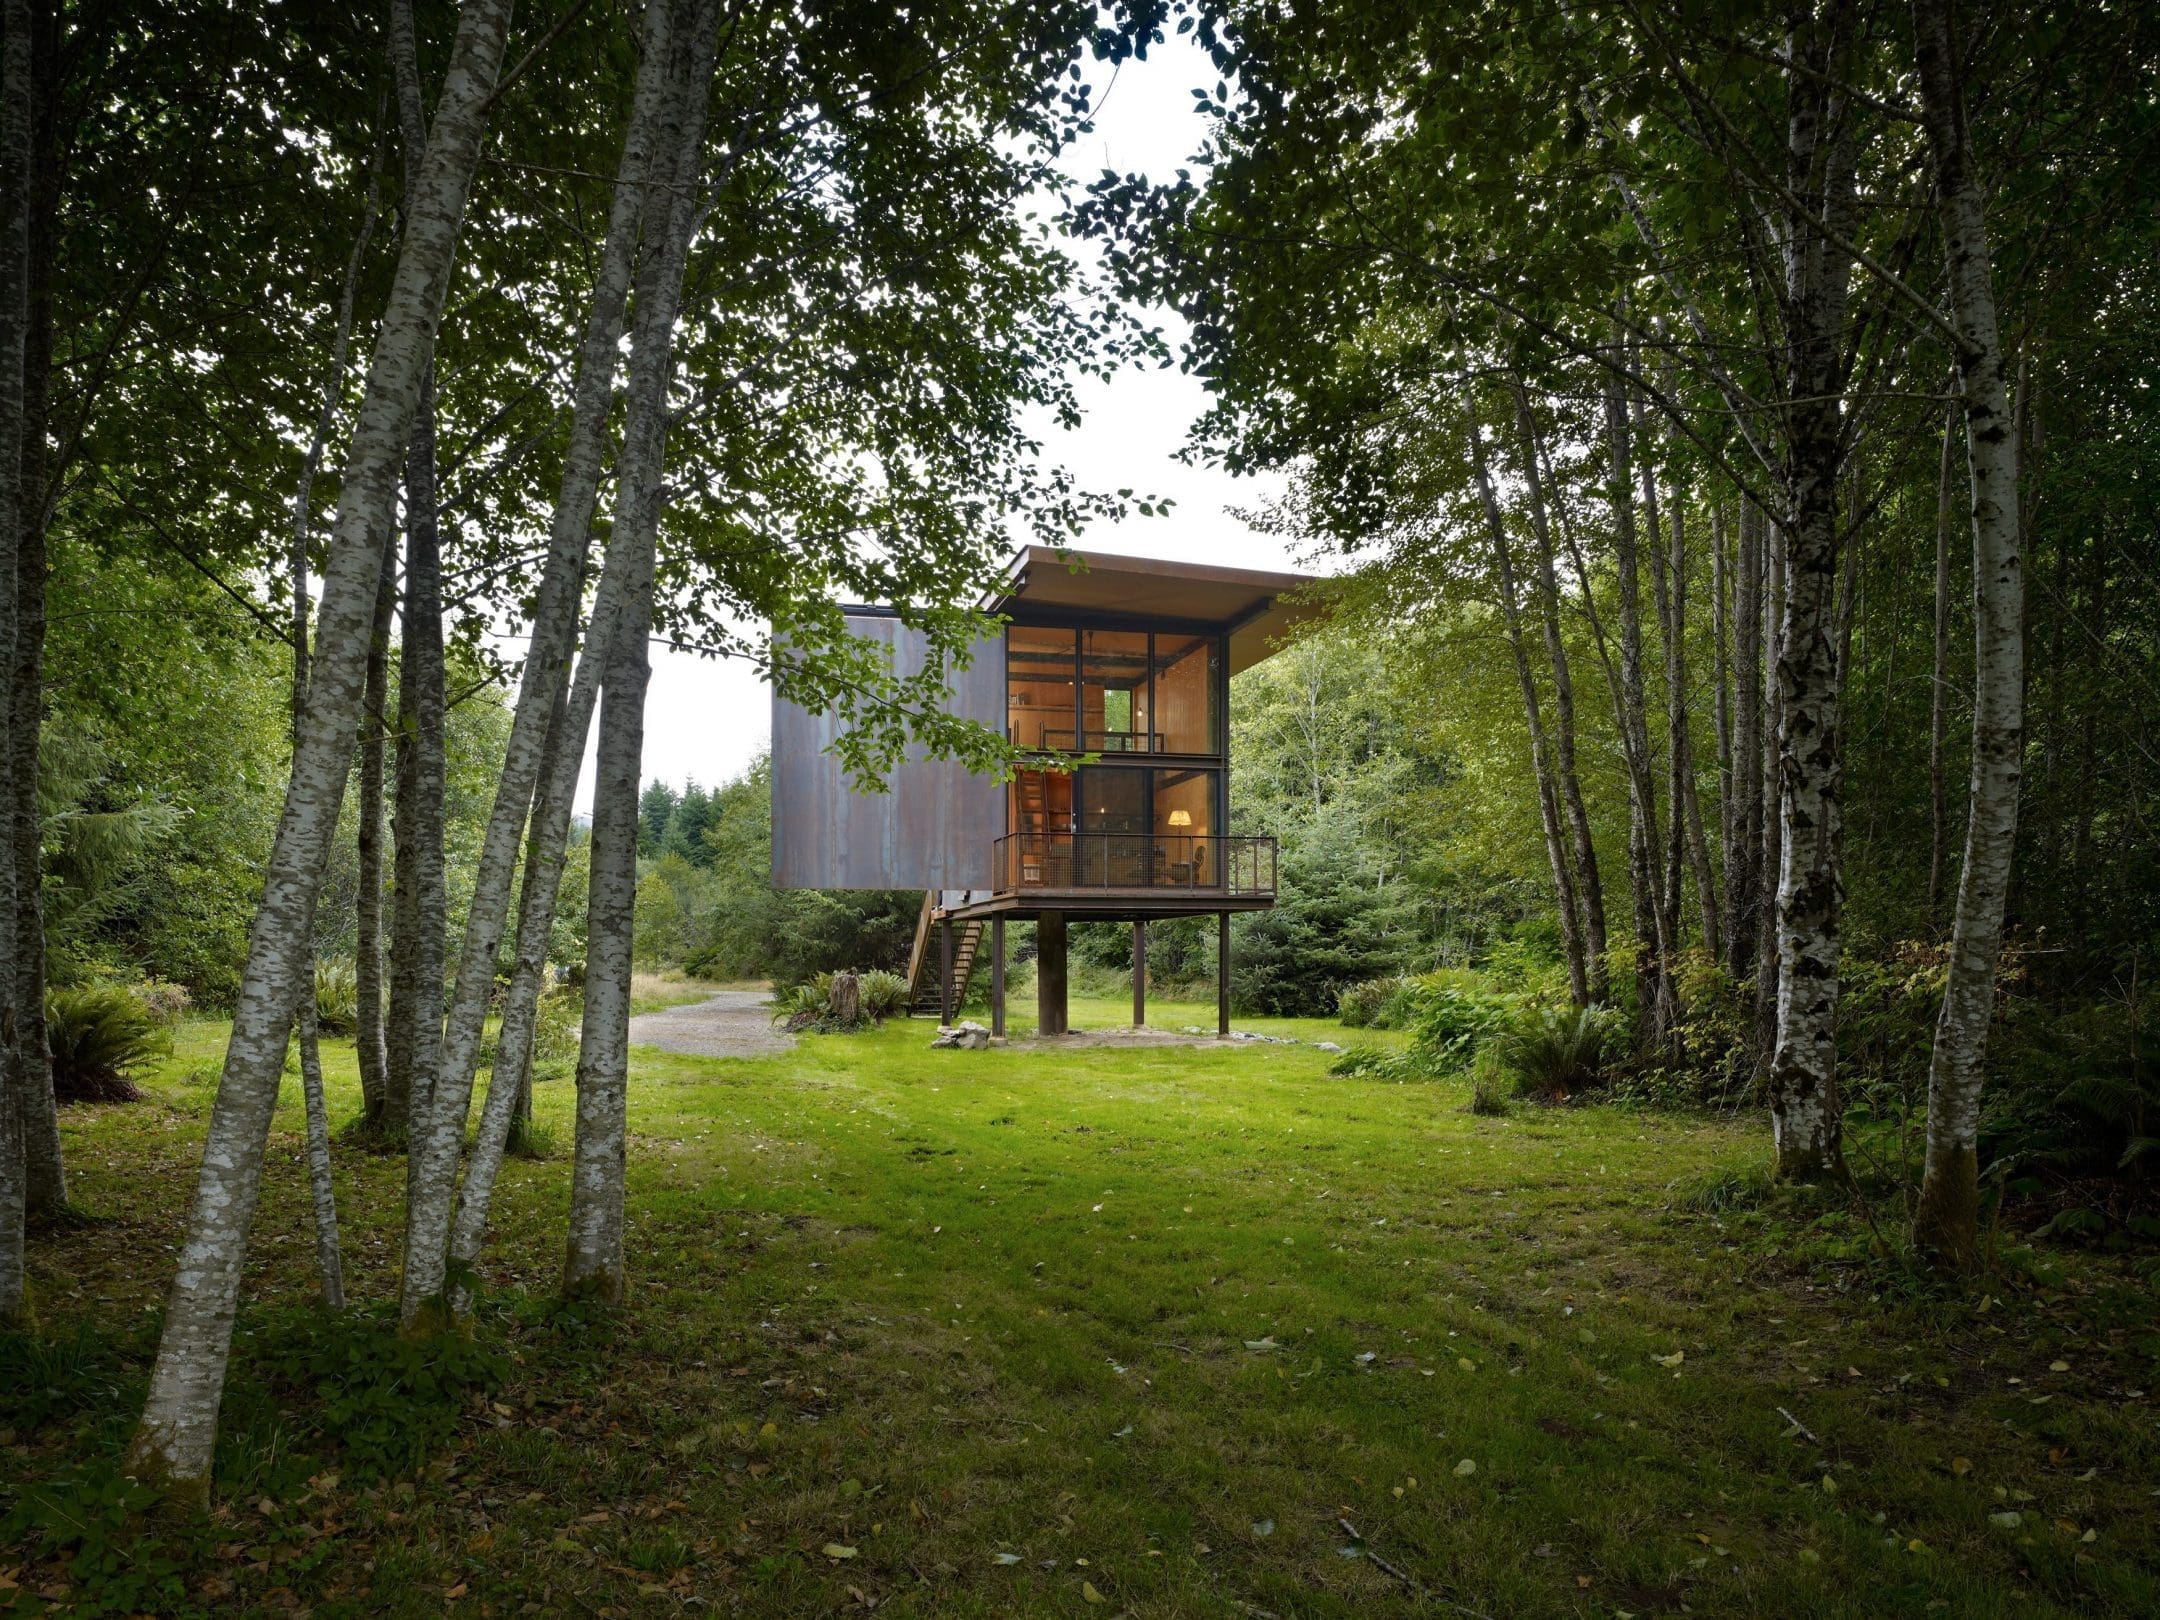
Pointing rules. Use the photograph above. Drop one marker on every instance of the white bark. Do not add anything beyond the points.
(1743, 849)
(1687, 801)
(1939, 701)
(329, 1258)
(173, 1445)
(1803, 1059)
(423, 772)
(1770, 846)
(1653, 953)
(422, 777)
(1946, 1218)
(1589, 886)
(544, 862)
(1533, 719)
(368, 1034)
(593, 1260)
(433, 1185)
(15, 91)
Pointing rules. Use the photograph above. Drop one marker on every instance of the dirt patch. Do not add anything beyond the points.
(734, 1023)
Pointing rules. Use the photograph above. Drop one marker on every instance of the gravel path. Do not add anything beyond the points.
(734, 1023)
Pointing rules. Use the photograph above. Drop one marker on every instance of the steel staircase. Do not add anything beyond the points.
(925, 962)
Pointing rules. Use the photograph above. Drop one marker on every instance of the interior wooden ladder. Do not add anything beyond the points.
(926, 960)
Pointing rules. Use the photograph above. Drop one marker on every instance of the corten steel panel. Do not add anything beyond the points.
(932, 828)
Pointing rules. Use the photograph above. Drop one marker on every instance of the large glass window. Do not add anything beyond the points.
(1188, 692)
(1039, 665)
(1184, 827)
(1114, 846)
(1114, 692)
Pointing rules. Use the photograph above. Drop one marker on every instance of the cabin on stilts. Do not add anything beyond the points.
(1111, 678)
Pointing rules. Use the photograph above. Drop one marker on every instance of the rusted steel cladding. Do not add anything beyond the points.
(935, 825)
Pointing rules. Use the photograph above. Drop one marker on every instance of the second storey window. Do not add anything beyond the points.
(1188, 694)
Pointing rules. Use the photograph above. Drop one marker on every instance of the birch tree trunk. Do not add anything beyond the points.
(421, 700)
(1803, 1060)
(1721, 573)
(1652, 951)
(368, 1032)
(1671, 856)
(421, 694)
(15, 136)
(1589, 887)
(45, 1171)
(400, 1022)
(510, 1080)
(433, 1187)
(593, 1259)
(329, 1259)
(1939, 702)
(173, 1444)
(1540, 764)
(1687, 800)
(1946, 1218)
(1743, 849)
(1768, 973)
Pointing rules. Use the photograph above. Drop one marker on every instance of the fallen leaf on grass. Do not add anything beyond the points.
(1263, 1527)
(1465, 1468)
(1961, 1466)
(1672, 1360)
(1267, 1343)
(1006, 1558)
(1088, 1592)
(833, 1549)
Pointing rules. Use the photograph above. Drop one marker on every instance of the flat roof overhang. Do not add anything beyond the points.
(1257, 607)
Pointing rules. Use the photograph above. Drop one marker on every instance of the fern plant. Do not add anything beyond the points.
(1554, 1052)
(337, 996)
(99, 1036)
(883, 994)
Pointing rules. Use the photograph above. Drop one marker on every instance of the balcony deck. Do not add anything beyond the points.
(1123, 875)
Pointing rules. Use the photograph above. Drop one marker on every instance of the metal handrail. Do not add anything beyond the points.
(1234, 865)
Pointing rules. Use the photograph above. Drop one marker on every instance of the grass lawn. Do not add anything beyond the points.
(1160, 1332)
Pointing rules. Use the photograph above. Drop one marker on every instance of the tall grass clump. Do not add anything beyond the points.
(1551, 1053)
(1488, 1083)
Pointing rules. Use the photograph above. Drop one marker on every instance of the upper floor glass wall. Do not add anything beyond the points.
(1113, 692)
(1188, 694)
(1039, 672)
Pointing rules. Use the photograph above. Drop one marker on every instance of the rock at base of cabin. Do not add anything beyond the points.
(965, 1036)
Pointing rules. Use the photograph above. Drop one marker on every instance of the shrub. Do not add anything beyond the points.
(99, 1034)
(1361, 1062)
(337, 996)
(883, 994)
(1554, 1052)
(1450, 1021)
(163, 1002)
(1376, 1003)
(1488, 1083)
(557, 1021)
(835, 1003)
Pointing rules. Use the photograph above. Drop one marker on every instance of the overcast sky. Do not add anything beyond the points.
(707, 719)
